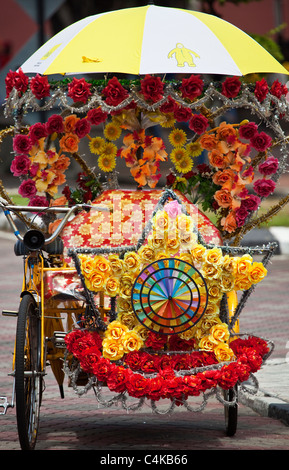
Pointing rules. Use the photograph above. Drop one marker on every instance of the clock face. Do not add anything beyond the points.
(169, 296)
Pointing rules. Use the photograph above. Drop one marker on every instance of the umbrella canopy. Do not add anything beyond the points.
(152, 39)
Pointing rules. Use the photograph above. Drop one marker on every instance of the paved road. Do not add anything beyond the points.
(75, 423)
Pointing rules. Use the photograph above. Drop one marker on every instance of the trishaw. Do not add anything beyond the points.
(137, 291)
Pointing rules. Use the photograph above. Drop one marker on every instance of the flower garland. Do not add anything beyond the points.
(172, 234)
(43, 155)
(144, 375)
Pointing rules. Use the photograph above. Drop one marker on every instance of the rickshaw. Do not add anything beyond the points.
(137, 291)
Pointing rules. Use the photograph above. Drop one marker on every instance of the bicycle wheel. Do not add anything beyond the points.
(28, 374)
(231, 411)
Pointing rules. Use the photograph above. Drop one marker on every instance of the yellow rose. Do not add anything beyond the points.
(116, 265)
(242, 282)
(173, 243)
(188, 334)
(198, 253)
(214, 291)
(142, 331)
(111, 286)
(161, 221)
(87, 266)
(210, 271)
(112, 349)
(126, 284)
(115, 330)
(131, 341)
(128, 319)
(212, 310)
(208, 323)
(257, 272)
(188, 240)
(131, 261)
(147, 254)
(223, 352)
(227, 283)
(123, 305)
(186, 257)
(213, 256)
(184, 223)
(206, 344)
(243, 264)
(219, 332)
(229, 264)
(156, 241)
(96, 281)
(102, 265)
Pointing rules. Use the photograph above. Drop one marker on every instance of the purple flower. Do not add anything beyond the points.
(27, 188)
(20, 165)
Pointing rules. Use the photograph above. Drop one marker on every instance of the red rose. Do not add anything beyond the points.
(231, 87)
(116, 381)
(269, 167)
(82, 128)
(277, 89)
(136, 384)
(261, 141)
(241, 215)
(38, 201)
(9, 82)
(171, 179)
(134, 360)
(39, 86)
(247, 131)
(169, 106)
(89, 358)
(114, 92)
(55, 124)
(101, 369)
(251, 203)
(22, 144)
(228, 376)
(27, 188)
(182, 114)
(37, 131)
(191, 385)
(71, 337)
(155, 388)
(79, 90)
(149, 363)
(155, 340)
(20, 165)
(192, 87)
(264, 187)
(261, 90)
(96, 116)
(152, 88)
(198, 123)
(18, 80)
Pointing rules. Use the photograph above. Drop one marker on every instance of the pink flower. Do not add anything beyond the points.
(247, 131)
(251, 203)
(22, 144)
(261, 141)
(269, 167)
(38, 201)
(264, 187)
(198, 123)
(241, 215)
(82, 128)
(173, 209)
(20, 165)
(55, 124)
(79, 90)
(40, 86)
(27, 188)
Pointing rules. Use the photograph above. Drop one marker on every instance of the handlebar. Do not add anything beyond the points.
(68, 211)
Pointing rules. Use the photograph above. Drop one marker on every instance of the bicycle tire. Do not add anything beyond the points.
(28, 374)
(231, 411)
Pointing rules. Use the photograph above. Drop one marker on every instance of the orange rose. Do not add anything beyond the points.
(70, 122)
(223, 198)
(226, 130)
(217, 159)
(69, 143)
(229, 223)
(224, 178)
(208, 141)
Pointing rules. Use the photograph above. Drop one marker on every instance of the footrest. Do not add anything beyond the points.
(4, 404)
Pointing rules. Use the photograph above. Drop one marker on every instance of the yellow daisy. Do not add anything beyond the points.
(184, 165)
(168, 120)
(177, 137)
(96, 145)
(112, 131)
(109, 149)
(106, 162)
(178, 154)
(194, 149)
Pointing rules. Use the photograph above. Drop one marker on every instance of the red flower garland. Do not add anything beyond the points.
(165, 383)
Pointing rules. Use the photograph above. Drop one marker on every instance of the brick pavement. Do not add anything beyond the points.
(78, 424)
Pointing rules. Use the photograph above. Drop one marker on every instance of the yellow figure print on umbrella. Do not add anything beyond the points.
(183, 55)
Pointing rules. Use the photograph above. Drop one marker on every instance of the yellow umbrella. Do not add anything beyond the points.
(152, 39)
